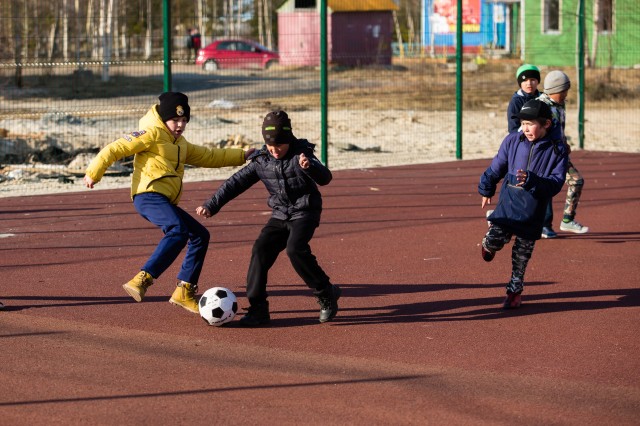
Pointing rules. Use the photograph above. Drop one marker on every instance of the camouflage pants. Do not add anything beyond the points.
(574, 182)
(495, 239)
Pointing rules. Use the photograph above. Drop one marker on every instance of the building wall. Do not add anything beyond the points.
(354, 38)
(440, 19)
(618, 48)
(299, 38)
(361, 38)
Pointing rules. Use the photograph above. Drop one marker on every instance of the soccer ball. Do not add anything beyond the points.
(218, 306)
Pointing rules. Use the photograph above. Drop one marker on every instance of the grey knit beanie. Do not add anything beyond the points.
(555, 82)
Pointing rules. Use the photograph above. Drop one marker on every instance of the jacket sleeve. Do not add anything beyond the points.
(513, 121)
(201, 156)
(496, 171)
(116, 150)
(239, 182)
(318, 171)
(548, 187)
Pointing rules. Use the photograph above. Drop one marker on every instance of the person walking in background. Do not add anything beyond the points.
(528, 78)
(533, 167)
(291, 173)
(194, 43)
(556, 89)
(161, 153)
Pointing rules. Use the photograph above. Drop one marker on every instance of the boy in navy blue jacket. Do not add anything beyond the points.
(291, 173)
(533, 167)
(528, 78)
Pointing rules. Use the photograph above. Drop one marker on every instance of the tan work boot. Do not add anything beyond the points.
(138, 286)
(185, 295)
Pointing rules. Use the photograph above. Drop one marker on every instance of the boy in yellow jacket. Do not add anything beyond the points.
(161, 153)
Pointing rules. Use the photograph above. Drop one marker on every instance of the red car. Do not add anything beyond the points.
(235, 53)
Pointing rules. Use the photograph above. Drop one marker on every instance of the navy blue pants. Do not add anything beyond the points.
(179, 229)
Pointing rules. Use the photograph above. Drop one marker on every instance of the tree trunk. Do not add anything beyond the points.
(107, 41)
(147, 42)
(53, 28)
(65, 31)
(259, 5)
(25, 32)
(267, 24)
(15, 40)
(78, 29)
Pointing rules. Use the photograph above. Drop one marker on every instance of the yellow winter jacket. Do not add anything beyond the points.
(160, 158)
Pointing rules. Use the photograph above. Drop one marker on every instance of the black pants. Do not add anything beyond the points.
(276, 236)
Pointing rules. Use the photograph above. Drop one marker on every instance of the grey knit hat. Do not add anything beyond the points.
(555, 82)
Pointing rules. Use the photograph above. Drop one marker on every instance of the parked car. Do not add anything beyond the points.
(235, 53)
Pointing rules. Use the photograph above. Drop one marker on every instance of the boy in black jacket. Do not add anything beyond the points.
(291, 173)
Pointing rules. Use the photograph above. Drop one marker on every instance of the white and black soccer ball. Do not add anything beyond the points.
(218, 306)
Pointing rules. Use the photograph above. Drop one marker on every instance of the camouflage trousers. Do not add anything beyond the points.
(574, 182)
(495, 239)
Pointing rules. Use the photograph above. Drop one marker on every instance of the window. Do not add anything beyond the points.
(604, 10)
(551, 18)
(305, 4)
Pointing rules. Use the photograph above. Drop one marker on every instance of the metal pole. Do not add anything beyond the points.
(166, 32)
(459, 81)
(581, 82)
(323, 83)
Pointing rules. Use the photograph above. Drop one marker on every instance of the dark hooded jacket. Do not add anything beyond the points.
(293, 191)
(521, 210)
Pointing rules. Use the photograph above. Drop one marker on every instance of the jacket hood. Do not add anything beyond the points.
(152, 119)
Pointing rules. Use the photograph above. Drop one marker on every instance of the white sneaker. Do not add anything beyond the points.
(487, 215)
(574, 227)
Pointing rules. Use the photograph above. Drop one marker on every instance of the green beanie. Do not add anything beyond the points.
(526, 72)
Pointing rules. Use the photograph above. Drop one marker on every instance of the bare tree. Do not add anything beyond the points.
(15, 39)
(106, 24)
(76, 8)
(259, 6)
(25, 31)
(148, 36)
(268, 13)
(51, 40)
(65, 30)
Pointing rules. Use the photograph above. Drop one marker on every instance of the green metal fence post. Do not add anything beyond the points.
(323, 82)
(166, 31)
(581, 83)
(459, 82)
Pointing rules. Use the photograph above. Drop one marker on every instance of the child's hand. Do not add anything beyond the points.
(521, 176)
(203, 211)
(486, 201)
(248, 153)
(304, 161)
(88, 182)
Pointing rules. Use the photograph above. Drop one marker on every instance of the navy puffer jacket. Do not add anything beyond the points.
(545, 161)
(293, 191)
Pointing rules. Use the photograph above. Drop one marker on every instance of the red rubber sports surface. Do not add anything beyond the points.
(420, 337)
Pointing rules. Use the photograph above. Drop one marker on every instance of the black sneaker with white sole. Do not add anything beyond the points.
(329, 303)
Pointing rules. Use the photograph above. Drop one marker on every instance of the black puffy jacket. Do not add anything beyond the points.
(293, 191)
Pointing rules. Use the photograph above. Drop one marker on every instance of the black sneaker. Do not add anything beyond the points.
(329, 304)
(256, 315)
(487, 255)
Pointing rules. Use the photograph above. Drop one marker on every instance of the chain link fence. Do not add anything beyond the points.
(62, 97)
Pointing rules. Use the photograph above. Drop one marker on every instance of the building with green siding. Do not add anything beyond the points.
(549, 32)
